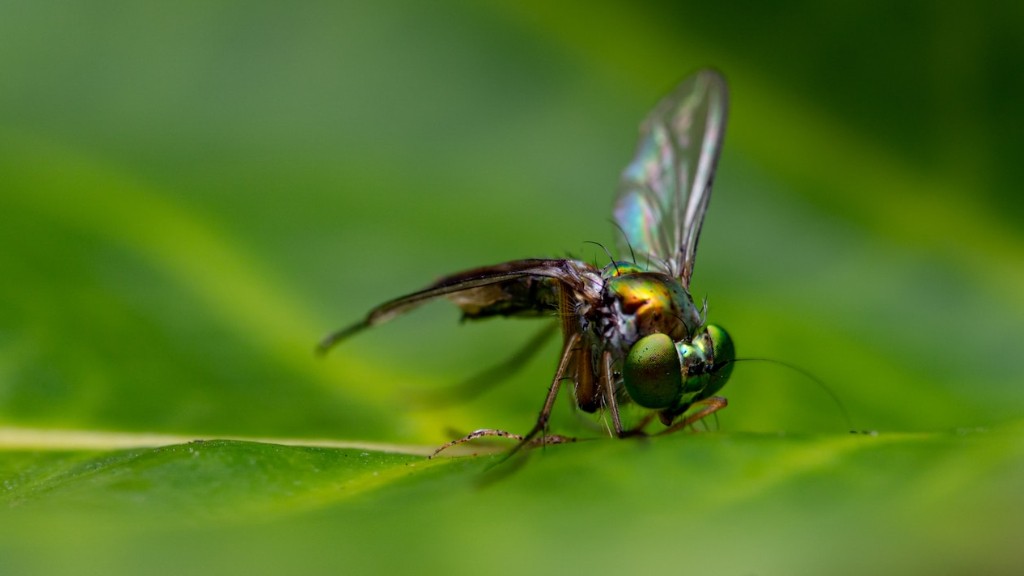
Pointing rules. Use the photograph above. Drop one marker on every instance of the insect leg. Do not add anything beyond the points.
(588, 392)
(608, 381)
(552, 439)
(711, 405)
(473, 436)
(542, 420)
(568, 350)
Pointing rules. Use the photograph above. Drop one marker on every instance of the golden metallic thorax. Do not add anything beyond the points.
(655, 302)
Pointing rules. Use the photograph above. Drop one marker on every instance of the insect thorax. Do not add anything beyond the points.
(634, 305)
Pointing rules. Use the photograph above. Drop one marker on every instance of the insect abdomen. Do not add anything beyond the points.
(525, 296)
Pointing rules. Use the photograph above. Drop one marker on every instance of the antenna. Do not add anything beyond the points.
(821, 384)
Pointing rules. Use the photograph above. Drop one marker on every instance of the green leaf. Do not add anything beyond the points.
(775, 503)
(191, 195)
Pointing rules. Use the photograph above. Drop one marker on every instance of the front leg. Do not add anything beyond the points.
(710, 406)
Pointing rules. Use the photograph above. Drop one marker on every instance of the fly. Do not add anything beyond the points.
(630, 333)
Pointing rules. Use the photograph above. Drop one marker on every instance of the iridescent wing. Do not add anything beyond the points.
(664, 191)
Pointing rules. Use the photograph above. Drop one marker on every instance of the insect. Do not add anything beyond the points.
(631, 331)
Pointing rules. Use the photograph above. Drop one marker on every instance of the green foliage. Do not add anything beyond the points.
(191, 195)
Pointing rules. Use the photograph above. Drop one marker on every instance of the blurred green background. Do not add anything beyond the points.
(191, 194)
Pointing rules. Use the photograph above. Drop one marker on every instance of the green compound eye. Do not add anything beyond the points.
(724, 349)
(724, 353)
(652, 372)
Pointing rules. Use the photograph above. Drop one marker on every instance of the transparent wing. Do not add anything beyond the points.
(469, 290)
(663, 193)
